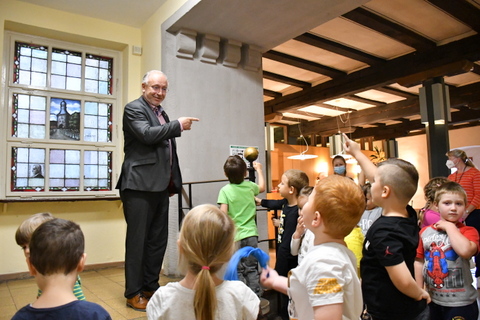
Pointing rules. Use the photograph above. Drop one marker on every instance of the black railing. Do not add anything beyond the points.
(189, 203)
(188, 197)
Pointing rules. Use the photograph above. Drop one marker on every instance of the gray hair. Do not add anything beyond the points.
(147, 75)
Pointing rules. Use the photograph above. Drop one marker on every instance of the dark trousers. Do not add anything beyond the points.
(469, 312)
(146, 214)
(247, 268)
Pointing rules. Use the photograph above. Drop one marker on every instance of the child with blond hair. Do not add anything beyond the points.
(291, 182)
(55, 259)
(24, 234)
(429, 213)
(302, 238)
(205, 245)
(443, 255)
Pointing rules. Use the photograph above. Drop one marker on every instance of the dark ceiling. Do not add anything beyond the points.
(360, 73)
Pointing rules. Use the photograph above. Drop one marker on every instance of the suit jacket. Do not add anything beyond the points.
(146, 166)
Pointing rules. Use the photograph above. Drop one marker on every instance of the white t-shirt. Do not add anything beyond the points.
(234, 301)
(327, 275)
(301, 246)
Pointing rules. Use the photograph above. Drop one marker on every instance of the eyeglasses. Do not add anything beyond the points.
(158, 88)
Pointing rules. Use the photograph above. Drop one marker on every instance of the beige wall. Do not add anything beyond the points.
(414, 149)
(101, 221)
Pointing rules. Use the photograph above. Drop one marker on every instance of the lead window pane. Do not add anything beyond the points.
(39, 65)
(57, 81)
(37, 132)
(37, 117)
(74, 84)
(23, 115)
(59, 68)
(39, 79)
(74, 70)
(22, 131)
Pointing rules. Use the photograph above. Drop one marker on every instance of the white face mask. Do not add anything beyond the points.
(450, 164)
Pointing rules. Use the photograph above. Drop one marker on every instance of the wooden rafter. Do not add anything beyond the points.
(304, 64)
(338, 48)
(389, 28)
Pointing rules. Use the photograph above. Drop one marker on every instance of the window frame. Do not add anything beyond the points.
(9, 142)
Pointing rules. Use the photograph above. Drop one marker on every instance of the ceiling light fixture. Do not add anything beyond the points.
(435, 103)
(303, 154)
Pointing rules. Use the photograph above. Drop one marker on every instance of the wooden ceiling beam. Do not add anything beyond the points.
(465, 115)
(271, 93)
(287, 80)
(397, 92)
(373, 77)
(465, 95)
(338, 48)
(399, 109)
(460, 119)
(364, 100)
(390, 29)
(476, 68)
(304, 64)
(388, 132)
(462, 10)
(450, 69)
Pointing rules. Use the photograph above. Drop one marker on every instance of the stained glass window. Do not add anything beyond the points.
(64, 170)
(65, 119)
(62, 103)
(28, 116)
(66, 70)
(27, 169)
(98, 122)
(98, 75)
(30, 64)
(97, 170)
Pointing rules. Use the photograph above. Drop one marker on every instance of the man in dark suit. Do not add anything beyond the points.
(150, 174)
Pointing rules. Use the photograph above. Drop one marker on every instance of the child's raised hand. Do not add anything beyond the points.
(300, 228)
(350, 146)
(257, 166)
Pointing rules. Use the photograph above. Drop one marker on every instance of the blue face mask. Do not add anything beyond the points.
(339, 170)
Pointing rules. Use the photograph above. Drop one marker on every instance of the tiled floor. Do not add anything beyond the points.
(104, 287)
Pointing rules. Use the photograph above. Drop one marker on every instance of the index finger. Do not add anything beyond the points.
(193, 119)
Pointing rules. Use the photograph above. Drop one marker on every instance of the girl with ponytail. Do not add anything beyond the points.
(205, 245)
